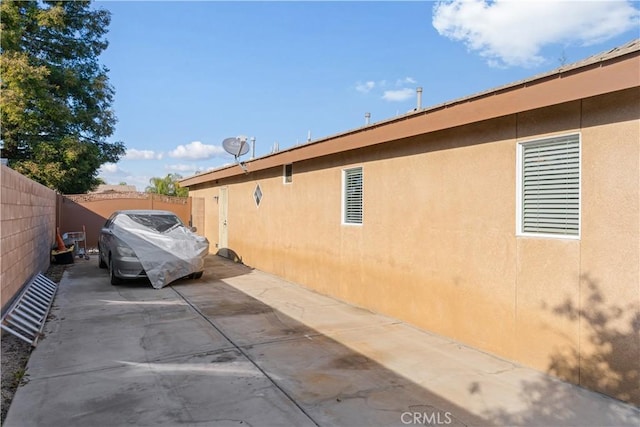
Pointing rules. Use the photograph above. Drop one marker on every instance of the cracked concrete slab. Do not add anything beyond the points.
(241, 347)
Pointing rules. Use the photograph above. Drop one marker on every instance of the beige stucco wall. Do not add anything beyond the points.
(438, 247)
(198, 215)
(27, 230)
(610, 245)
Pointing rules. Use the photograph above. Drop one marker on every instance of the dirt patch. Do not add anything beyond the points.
(15, 354)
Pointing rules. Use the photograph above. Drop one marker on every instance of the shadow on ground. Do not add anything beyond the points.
(331, 383)
(215, 351)
(202, 352)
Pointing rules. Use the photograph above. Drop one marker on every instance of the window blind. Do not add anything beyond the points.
(551, 186)
(353, 196)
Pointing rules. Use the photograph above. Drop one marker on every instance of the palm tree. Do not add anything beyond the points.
(168, 186)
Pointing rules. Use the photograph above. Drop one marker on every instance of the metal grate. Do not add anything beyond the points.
(26, 316)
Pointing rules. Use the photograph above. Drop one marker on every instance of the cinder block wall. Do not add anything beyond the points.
(27, 230)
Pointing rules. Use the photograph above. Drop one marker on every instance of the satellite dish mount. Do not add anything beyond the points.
(237, 146)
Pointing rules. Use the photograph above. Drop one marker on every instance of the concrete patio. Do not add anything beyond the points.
(242, 347)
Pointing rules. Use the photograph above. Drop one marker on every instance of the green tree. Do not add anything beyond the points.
(56, 99)
(169, 186)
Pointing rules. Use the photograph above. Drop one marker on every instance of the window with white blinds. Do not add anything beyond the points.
(352, 196)
(550, 186)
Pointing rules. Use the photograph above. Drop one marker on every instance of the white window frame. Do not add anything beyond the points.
(519, 188)
(344, 198)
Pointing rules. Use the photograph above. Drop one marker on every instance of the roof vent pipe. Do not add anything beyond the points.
(367, 116)
(253, 147)
(419, 93)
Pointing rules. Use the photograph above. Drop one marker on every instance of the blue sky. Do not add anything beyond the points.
(189, 74)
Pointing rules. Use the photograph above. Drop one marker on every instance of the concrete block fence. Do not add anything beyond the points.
(31, 212)
(27, 230)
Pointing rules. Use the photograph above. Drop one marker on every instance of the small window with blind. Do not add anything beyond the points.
(549, 187)
(287, 173)
(352, 196)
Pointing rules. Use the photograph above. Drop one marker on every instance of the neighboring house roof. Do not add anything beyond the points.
(614, 70)
(106, 188)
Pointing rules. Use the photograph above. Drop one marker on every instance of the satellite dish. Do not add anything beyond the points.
(237, 146)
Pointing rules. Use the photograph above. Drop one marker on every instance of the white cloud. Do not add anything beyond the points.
(196, 150)
(398, 95)
(512, 33)
(389, 95)
(365, 87)
(140, 181)
(114, 174)
(133, 154)
(181, 168)
(406, 80)
(110, 169)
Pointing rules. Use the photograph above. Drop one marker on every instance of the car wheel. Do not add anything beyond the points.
(197, 275)
(112, 274)
(101, 263)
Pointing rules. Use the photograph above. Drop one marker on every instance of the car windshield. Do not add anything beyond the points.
(160, 223)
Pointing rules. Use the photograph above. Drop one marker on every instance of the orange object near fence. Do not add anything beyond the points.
(59, 241)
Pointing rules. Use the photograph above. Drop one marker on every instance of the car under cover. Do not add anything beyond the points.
(165, 254)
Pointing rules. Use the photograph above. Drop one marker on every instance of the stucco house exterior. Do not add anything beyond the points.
(508, 220)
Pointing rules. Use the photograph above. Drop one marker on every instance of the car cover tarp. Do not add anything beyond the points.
(167, 255)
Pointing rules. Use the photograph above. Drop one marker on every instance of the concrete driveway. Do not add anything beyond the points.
(243, 348)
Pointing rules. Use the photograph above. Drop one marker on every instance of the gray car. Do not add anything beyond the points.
(151, 244)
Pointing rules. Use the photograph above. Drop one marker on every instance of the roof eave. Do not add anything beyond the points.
(584, 79)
